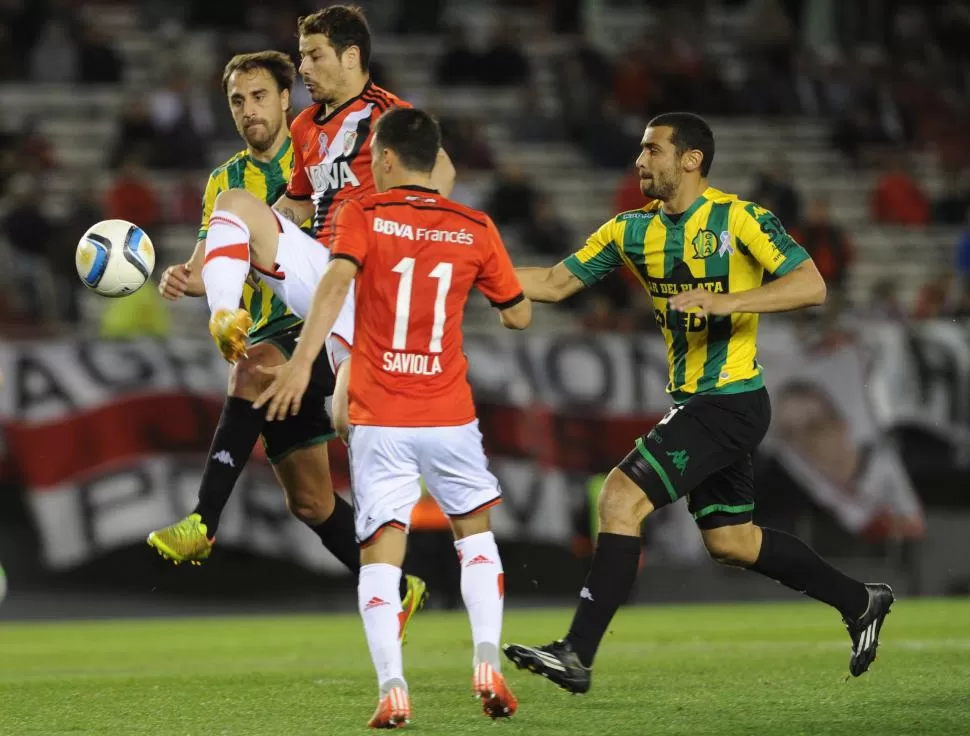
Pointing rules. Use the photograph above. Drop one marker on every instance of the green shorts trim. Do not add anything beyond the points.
(320, 439)
(723, 509)
(658, 468)
(275, 333)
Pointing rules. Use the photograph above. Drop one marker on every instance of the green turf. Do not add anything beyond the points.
(753, 670)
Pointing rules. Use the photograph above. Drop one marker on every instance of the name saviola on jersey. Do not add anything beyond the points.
(414, 364)
(403, 230)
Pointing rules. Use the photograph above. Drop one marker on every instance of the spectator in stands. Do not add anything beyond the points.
(774, 190)
(136, 134)
(55, 58)
(897, 199)
(131, 196)
(99, 64)
(546, 232)
(963, 265)
(934, 299)
(182, 116)
(183, 206)
(632, 79)
(951, 207)
(612, 140)
(768, 33)
(504, 63)
(460, 64)
(512, 201)
(532, 123)
(884, 301)
(29, 232)
(828, 244)
(465, 142)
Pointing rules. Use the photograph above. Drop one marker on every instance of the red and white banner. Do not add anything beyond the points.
(108, 439)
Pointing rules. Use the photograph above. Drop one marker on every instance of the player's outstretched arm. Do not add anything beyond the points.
(290, 380)
(548, 284)
(801, 287)
(517, 317)
(184, 279)
(296, 211)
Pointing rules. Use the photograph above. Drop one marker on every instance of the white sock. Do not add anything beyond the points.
(379, 602)
(483, 590)
(226, 260)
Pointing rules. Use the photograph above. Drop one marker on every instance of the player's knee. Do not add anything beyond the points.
(247, 381)
(621, 502)
(311, 506)
(737, 546)
(237, 201)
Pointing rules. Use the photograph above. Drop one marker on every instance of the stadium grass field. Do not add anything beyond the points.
(708, 669)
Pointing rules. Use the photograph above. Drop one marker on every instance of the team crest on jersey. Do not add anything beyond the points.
(322, 143)
(350, 138)
(705, 244)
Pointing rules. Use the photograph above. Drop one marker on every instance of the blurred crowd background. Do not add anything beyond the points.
(848, 119)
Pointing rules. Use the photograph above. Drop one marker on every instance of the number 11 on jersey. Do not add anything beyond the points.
(442, 272)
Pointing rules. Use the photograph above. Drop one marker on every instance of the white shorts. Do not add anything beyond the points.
(301, 262)
(386, 463)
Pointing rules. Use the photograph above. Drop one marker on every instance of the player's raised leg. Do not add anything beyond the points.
(243, 232)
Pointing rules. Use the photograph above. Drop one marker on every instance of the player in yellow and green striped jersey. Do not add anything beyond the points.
(701, 255)
(258, 88)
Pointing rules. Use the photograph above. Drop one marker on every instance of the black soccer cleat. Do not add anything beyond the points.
(865, 630)
(557, 661)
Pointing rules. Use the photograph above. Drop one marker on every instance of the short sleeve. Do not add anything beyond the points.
(299, 185)
(599, 257)
(497, 279)
(212, 190)
(350, 233)
(763, 236)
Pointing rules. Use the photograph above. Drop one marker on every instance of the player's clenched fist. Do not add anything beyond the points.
(178, 281)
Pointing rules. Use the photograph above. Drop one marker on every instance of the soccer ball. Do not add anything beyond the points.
(114, 258)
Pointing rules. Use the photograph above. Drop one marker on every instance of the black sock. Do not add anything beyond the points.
(792, 563)
(339, 536)
(607, 587)
(239, 428)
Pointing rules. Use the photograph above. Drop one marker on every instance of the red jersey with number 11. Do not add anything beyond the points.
(419, 255)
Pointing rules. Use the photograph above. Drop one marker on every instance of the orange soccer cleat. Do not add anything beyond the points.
(393, 710)
(490, 687)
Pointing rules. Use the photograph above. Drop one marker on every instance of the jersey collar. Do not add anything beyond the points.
(417, 188)
(275, 162)
(687, 213)
(320, 118)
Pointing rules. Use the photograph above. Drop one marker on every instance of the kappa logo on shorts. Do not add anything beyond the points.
(680, 458)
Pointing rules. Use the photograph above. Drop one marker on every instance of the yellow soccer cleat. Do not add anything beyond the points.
(230, 328)
(413, 602)
(183, 541)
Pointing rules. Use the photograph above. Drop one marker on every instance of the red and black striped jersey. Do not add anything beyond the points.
(332, 154)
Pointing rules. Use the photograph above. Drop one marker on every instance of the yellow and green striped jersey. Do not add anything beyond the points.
(268, 182)
(722, 244)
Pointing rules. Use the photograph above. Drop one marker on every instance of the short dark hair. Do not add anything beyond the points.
(278, 64)
(412, 134)
(344, 26)
(690, 132)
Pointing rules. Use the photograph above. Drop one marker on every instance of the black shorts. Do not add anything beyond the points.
(702, 449)
(312, 425)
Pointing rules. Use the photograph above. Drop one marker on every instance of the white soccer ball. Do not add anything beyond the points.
(114, 258)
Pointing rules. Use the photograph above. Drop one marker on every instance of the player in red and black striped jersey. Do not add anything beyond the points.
(331, 142)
